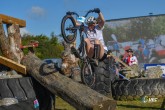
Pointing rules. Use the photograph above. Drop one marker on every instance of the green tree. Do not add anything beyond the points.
(140, 27)
(48, 47)
(158, 26)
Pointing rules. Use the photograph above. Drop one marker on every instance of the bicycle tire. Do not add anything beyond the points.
(66, 37)
(86, 79)
(103, 76)
(137, 88)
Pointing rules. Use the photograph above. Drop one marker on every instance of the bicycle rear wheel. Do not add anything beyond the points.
(68, 30)
(87, 75)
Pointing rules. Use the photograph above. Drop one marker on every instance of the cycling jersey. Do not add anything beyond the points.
(95, 34)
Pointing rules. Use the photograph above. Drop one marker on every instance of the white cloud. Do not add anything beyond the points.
(24, 31)
(36, 12)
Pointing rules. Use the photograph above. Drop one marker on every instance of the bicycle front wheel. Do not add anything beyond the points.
(68, 29)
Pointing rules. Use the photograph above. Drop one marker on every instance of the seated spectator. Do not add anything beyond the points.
(131, 59)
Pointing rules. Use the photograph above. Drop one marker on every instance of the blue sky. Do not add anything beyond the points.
(44, 16)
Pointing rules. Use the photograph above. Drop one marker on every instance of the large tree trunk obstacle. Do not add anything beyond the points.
(78, 95)
(70, 66)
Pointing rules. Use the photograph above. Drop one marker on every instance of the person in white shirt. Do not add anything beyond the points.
(95, 46)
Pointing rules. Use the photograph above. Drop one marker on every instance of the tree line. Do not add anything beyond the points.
(49, 47)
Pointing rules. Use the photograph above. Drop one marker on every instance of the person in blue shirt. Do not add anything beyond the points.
(146, 53)
(142, 42)
(116, 47)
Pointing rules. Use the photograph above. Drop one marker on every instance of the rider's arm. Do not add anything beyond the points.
(100, 20)
(77, 23)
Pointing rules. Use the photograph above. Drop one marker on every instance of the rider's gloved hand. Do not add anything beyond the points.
(96, 10)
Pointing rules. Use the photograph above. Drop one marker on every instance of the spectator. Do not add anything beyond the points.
(142, 42)
(139, 54)
(116, 47)
(131, 59)
(146, 53)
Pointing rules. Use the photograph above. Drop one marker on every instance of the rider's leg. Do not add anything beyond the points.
(99, 49)
(96, 51)
(89, 48)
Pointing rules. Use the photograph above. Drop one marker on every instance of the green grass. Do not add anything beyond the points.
(138, 105)
(121, 105)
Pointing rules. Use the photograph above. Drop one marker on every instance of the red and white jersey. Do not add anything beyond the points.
(132, 60)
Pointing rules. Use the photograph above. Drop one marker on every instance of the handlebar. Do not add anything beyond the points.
(90, 11)
(74, 13)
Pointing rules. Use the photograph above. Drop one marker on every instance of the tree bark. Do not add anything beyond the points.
(9, 45)
(4, 43)
(78, 95)
(14, 37)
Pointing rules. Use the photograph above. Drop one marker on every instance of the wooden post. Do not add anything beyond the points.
(4, 43)
(15, 41)
(78, 95)
(10, 48)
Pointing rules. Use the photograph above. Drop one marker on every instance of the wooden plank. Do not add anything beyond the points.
(117, 59)
(13, 65)
(11, 20)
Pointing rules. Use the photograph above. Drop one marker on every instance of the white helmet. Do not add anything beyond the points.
(90, 20)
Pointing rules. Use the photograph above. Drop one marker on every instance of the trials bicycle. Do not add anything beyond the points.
(97, 77)
(69, 32)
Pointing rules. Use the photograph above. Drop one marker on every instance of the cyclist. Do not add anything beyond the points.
(95, 46)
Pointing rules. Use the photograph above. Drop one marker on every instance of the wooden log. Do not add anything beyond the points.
(78, 95)
(4, 44)
(14, 37)
(117, 59)
(11, 20)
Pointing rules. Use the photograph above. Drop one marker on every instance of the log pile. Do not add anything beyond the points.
(78, 95)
